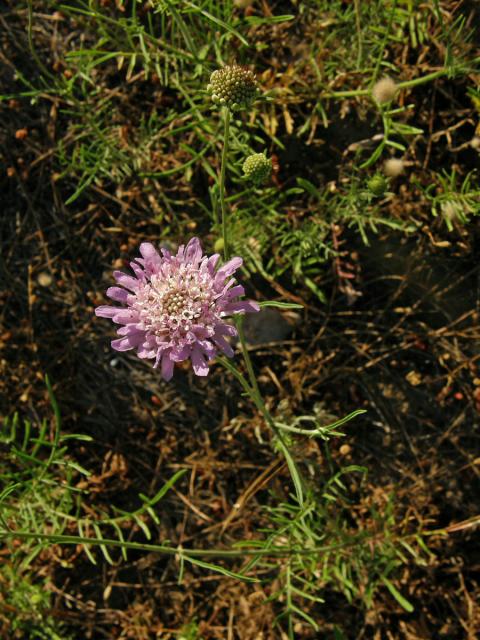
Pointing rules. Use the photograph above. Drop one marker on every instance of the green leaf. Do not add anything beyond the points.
(403, 602)
(305, 616)
(218, 569)
(280, 305)
(256, 20)
(309, 187)
(316, 290)
(8, 490)
(338, 423)
(76, 436)
(292, 467)
(166, 487)
(218, 22)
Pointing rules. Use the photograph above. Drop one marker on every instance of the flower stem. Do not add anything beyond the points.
(253, 392)
(251, 389)
(226, 248)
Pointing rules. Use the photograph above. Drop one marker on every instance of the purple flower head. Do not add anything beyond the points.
(175, 306)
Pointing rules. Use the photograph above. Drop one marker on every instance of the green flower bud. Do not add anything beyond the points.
(219, 245)
(378, 184)
(257, 168)
(233, 86)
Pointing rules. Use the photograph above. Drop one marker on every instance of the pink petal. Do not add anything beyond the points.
(136, 339)
(177, 354)
(212, 263)
(106, 311)
(228, 268)
(198, 332)
(130, 329)
(207, 348)
(126, 281)
(138, 271)
(237, 291)
(226, 287)
(145, 353)
(122, 344)
(118, 294)
(151, 259)
(148, 251)
(193, 251)
(125, 316)
(200, 366)
(225, 329)
(167, 367)
(224, 346)
(247, 306)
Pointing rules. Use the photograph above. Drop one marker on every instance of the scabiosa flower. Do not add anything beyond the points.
(233, 86)
(175, 306)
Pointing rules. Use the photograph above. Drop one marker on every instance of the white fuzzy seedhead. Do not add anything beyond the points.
(384, 90)
(393, 167)
(475, 143)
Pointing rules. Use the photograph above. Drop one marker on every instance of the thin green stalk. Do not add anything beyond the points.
(31, 44)
(251, 389)
(274, 551)
(226, 248)
(407, 84)
(423, 79)
(253, 392)
(359, 33)
(384, 42)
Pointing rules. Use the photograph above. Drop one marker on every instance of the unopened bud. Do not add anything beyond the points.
(233, 86)
(219, 245)
(377, 184)
(257, 168)
(384, 90)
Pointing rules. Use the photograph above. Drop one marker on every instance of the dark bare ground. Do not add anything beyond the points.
(406, 350)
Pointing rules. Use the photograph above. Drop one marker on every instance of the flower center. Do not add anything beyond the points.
(174, 302)
(170, 305)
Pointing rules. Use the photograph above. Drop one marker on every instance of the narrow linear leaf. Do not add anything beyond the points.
(85, 547)
(280, 305)
(142, 526)
(218, 569)
(403, 602)
(218, 22)
(103, 547)
(121, 538)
